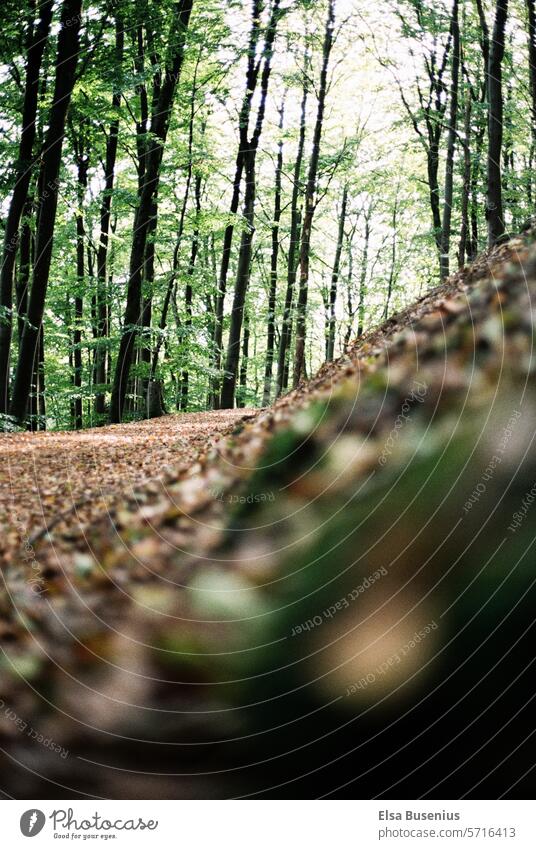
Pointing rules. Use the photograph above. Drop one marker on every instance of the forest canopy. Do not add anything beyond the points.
(204, 201)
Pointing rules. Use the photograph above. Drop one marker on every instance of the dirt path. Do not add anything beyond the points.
(65, 480)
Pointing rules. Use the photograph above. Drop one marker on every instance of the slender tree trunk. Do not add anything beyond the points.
(244, 363)
(36, 419)
(433, 182)
(188, 292)
(102, 324)
(67, 55)
(310, 201)
(531, 14)
(392, 272)
(494, 211)
(293, 249)
(451, 145)
(222, 280)
(363, 280)
(153, 159)
(173, 277)
(330, 350)
(252, 75)
(464, 246)
(41, 399)
(250, 148)
(242, 280)
(147, 312)
(25, 263)
(171, 285)
(83, 165)
(272, 295)
(37, 41)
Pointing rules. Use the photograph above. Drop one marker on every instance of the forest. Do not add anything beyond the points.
(267, 467)
(203, 202)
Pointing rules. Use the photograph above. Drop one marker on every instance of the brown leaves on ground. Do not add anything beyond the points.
(66, 480)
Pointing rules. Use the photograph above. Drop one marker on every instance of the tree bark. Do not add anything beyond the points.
(153, 159)
(25, 263)
(465, 246)
(531, 15)
(494, 211)
(252, 75)
(330, 345)
(363, 280)
(188, 292)
(100, 372)
(250, 148)
(82, 174)
(310, 201)
(67, 55)
(241, 402)
(392, 272)
(272, 295)
(37, 41)
(293, 248)
(451, 145)
(170, 289)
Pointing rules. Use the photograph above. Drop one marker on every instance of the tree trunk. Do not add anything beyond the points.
(67, 55)
(149, 191)
(451, 145)
(392, 273)
(494, 211)
(147, 312)
(188, 293)
(310, 201)
(25, 263)
(249, 148)
(100, 373)
(464, 246)
(330, 348)
(241, 402)
(241, 285)
(83, 165)
(36, 419)
(272, 295)
(252, 75)
(293, 248)
(222, 280)
(531, 14)
(363, 280)
(37, 41)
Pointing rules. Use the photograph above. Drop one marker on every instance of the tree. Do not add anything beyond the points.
(37, 41)
(249, 147)
(494, 204)
(81, 148)
(294, 239)
(252, 76)
(145, 209)
(272, 297)
(66, 61)
(451, 144)
(330, 341)
(102, 323)
(311, 200)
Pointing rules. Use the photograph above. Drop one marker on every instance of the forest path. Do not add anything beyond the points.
(71, 477)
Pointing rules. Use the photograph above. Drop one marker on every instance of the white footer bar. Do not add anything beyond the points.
(269, 824)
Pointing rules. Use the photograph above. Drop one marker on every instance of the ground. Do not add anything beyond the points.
(68, 478)
(189, 602)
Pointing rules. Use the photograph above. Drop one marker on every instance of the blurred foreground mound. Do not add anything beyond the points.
(338, 600)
